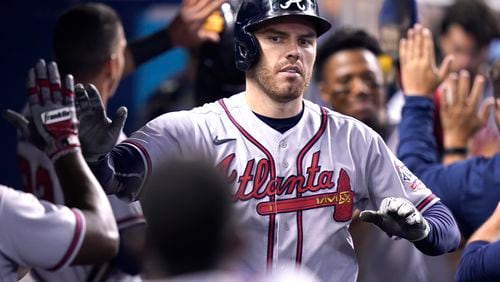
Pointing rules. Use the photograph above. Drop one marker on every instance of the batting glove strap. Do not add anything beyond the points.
(62, 146)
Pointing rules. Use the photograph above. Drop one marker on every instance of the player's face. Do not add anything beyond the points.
(352, 85)
(462, 45)
(287, 54)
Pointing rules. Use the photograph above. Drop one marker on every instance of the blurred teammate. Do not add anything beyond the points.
(350, 80)
(479, 261)
(466, 187)
(297, 170)
(89, 43)
(38, 233)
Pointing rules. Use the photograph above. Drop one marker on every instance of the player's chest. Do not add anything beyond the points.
(285, 175)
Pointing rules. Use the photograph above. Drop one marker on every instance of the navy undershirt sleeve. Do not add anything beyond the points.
(444, 236)
(121, 172)
(480, 262)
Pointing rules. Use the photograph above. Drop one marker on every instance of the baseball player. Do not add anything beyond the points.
(38, 233)
(297, 169)
(103, 64)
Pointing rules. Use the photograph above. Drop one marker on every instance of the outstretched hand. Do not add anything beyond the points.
(460, 119)
(398, 217)
(98, 133)
(419, 74)
(495, 77)
(186, 28)
(51, 124)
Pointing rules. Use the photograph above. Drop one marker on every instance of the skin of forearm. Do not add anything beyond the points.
(490, 230)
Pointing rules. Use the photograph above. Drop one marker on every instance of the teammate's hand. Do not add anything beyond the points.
(52, 125)
(398, 217)
(495, 77)
(98, 134)
(458, 111)
(186, 28)
(419, 74)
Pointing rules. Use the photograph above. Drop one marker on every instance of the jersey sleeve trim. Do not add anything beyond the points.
(76, 242)
(144, 154)
(427, 202)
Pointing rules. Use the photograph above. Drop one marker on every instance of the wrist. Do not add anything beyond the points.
(63, 145)
(427, 230)
(455, 150)
(418, 93)
(452, 140)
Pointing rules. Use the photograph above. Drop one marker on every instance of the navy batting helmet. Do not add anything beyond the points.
(254, 12)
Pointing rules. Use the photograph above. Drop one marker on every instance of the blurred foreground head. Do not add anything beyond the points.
(187, 206)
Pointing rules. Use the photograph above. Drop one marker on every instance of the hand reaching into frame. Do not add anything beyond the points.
(51, 125)
(186, 28)
(419, 74)
(459, 115)
(98, 133)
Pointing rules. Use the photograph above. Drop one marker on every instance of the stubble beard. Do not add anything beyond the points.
(266, 80)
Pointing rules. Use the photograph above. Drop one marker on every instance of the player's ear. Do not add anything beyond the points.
(113, 66)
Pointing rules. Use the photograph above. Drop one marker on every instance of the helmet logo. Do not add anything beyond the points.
(289, 3)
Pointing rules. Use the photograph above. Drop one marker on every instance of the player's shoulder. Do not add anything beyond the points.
(340, 122)
(332, 115)
(219, 107)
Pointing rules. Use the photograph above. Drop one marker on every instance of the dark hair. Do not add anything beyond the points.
(187, 206)
(344, 39)
(85, 38)
(475, 18)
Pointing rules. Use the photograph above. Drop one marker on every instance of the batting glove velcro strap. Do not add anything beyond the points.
(398, 217)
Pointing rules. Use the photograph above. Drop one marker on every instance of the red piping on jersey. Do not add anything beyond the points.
(272, 217)
(300, 158)
(74, 241)
(425, 201)
(144, 153)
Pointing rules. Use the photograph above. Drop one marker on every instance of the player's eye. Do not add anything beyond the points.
(305, 42)
(275, 38)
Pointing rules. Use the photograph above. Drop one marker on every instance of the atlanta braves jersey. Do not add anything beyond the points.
(294, 193)
(41, 180)
(36, 233)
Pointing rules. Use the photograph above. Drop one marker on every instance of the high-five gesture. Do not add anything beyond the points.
(186, 30)
(419, 74)
(52, 123)
(460, 119)
(98, 133)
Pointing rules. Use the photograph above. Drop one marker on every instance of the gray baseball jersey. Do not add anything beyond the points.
(40, 179)
(294, 193)
(36, 233)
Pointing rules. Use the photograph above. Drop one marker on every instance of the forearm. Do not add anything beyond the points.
(444, 235)
(141, 50)
(417, 146)
(82, 191)
(490, 230)
(479, 262)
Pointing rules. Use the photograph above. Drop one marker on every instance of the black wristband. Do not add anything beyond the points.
(150, 46)
(455, 151)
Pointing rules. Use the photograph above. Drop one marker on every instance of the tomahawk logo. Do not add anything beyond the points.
(56, 116)
(289, 3)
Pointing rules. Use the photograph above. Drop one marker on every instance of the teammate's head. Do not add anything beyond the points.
(466, 31)
(275, 43)
(349, 76)
(89, 43)
(188, 209)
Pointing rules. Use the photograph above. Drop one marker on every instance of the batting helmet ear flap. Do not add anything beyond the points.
(246, 49)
